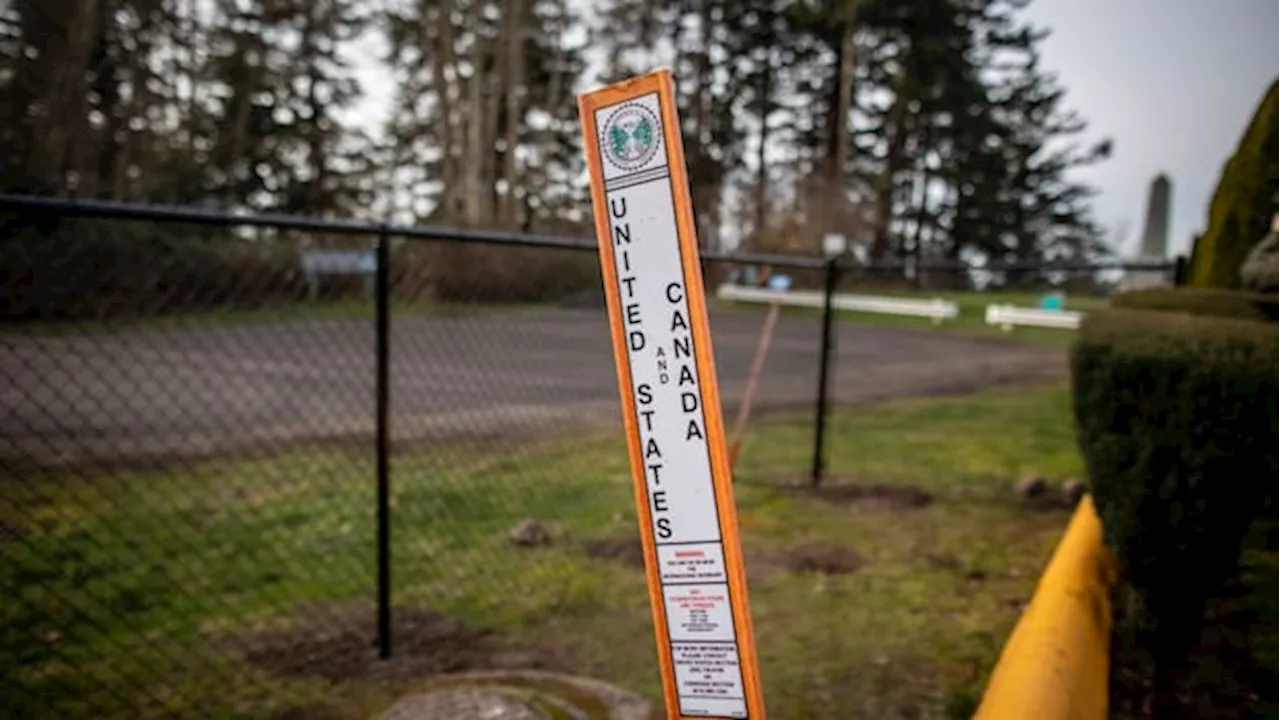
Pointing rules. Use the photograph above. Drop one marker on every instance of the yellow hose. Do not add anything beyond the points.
(1054, 665)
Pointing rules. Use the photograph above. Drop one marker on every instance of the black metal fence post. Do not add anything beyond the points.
(1180, 270)
(824, 371)
(383, 391)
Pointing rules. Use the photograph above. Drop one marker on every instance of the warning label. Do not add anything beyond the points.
(695, 562)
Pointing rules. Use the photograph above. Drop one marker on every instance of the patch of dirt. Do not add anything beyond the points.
(314, 711)
(866, 496)
(1047, 503)
(340, 643)
(820, 557)
(947, 561)
(625, 550)
(943, 561)
(1017, 604)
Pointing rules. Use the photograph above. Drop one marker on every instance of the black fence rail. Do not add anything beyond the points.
(251, 462)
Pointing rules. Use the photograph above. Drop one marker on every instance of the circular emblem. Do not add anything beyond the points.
(631, 136)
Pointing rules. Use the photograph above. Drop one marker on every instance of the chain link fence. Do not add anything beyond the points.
(273, 467)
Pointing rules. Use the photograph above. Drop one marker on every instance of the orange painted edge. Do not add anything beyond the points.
(660, 82)
(722, 472)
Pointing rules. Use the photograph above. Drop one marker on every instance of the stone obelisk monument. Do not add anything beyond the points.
(1155, 237)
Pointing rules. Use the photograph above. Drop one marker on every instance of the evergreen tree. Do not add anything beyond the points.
(276, 81)
(963, 142)
(82, 94)
(485, 111)
(333, 158)
(927, 128)
(703, 42)
(248, 71)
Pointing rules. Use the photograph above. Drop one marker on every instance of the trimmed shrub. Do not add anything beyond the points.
(1201, 301)
(1176, 417)
(1244, 203)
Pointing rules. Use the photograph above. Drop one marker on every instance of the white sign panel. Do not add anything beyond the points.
(657, 310)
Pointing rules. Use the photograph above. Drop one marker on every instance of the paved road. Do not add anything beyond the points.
(202, 390)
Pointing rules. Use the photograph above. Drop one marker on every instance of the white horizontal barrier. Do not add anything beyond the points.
(936, 309)
(1006, 316)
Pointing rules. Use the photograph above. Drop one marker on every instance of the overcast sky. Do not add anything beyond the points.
(1173, 82)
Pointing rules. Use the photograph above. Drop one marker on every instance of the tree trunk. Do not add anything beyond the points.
(515, 93)
(193, 77)
(895, 127)
(765, 91)
(445, 88)
(473, 159)
(314, 201)
(64, 135)
(488, 118)
(704, 191)
(839, 106)
(922, 213)
(925, 174)
(240, 106)
(108, 78)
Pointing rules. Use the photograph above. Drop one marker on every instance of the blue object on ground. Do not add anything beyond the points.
(779, 282)
(1053, 301)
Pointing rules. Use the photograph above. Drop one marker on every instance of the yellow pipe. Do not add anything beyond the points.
(1054, 665)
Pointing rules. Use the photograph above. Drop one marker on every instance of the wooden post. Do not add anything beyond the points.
(753, 381)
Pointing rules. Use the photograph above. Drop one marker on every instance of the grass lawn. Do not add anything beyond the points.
(972, 319)
(141, 594)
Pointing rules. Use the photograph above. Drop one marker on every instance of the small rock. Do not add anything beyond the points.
(1031, 487)
(529, 533)
(1072, 490)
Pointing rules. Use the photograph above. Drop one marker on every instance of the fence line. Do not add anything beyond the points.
(828, 270)
(106, 209)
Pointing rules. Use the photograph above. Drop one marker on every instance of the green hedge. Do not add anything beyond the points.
(1243, 204)
(465, 273)
(1176, 417)
(1201, 301)
(93, 269)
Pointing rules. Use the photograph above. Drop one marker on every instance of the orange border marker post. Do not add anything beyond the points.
(670, 402)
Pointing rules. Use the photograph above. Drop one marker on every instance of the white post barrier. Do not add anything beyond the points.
(936, 309)
(1006, 316)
